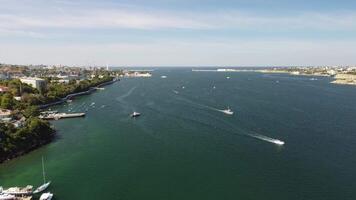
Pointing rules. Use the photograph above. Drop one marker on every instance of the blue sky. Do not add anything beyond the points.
(178, 32)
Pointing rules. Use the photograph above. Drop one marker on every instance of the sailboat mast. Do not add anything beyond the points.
(43, 172)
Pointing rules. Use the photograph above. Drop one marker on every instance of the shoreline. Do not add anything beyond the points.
(69, 96)
(38, 145)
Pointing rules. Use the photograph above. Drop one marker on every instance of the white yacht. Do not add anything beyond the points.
(46, 196)
(228, 111)
(163, 76)
(45, 184)
(135, 114)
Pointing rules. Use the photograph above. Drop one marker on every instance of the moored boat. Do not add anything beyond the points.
(46, 196)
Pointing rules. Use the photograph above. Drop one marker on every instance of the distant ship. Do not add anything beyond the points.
(163, 76)
(135, 114)
(228, 111)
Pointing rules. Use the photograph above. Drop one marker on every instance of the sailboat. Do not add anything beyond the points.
(45, 184)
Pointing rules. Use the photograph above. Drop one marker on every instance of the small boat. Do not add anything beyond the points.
(45, 184)
(46, 196)
(228, 77)
(278, 142)
(228, 111)
(7, 197)
(135, 114)
(163, 76)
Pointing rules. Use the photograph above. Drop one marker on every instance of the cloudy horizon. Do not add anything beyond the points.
(178, 33)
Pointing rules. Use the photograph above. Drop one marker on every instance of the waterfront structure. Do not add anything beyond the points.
(4, 113)
(3, 89)
(35, 82)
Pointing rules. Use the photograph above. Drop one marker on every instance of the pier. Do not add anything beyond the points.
(57, 116)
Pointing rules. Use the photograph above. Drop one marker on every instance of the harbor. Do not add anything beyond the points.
(27, 192)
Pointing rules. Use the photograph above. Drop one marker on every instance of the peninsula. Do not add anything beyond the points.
(24, 90)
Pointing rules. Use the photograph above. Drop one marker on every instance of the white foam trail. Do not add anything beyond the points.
(267, 139)
(122, 97)
(201, 105)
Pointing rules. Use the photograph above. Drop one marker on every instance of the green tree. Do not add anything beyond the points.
(7, 101)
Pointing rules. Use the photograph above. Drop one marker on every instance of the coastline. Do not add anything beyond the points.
(45, 142)
(69, 96)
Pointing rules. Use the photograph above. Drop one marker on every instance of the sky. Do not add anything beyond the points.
(178, 32)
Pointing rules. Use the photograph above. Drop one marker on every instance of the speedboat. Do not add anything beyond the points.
(278, 142)
(135, 114)
(163, 76)
(46, 196)
(228, 111)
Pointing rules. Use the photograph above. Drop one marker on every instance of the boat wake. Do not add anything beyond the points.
(122, 97)
(267, 139)
(225, 111)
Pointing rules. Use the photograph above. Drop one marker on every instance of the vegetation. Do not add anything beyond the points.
(17, 141)
(34, 132)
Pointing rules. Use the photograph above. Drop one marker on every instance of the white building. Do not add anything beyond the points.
(34, 82)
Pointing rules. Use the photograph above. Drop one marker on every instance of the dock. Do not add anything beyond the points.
(57, 116)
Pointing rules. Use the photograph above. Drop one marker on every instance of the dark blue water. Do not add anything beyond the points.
(182, 147)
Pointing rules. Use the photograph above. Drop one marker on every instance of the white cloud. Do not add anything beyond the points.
(76, 17)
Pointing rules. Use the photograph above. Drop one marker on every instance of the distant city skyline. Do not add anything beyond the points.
(178, 32)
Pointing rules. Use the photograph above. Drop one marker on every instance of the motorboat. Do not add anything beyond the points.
(228, 111)
(46, 196)
(278, 142)
(135, 114)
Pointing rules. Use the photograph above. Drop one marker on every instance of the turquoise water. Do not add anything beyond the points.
(182, 147)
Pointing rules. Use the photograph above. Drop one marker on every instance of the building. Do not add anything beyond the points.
(3, 89)
(5, 114)
(34, 82)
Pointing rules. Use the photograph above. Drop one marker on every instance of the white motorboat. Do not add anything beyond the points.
(278, 142)
(135, 114)
(45, 184)
(46, 196)
(163, 76)
(228, 111)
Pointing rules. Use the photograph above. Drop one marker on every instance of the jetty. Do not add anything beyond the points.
(57, 116)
